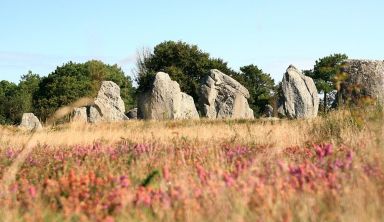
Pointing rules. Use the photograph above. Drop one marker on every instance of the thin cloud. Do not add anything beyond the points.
(127, 60)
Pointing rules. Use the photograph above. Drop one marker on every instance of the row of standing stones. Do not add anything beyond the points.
(222, 97)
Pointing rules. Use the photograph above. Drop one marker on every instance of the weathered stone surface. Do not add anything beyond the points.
(223, 97)
(80, 114)
(299, 97)
(268, 111)
(364, 78)
(108, 105)
(132, 114)
(166, 101)
(30, 122)
(94, 115)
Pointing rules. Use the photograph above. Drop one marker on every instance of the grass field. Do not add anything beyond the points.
(325, 169)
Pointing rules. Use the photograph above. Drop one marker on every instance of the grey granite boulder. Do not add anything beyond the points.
(166, 101)
(108, 105)
(268, 111)
(30, 122)
(80, 114)
(299, 97)
(223, 97)
(364, 78)
(132, 114)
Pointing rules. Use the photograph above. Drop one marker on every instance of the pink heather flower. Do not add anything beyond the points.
(109, 219)
(328, 149)
(319, 152)
(10, 153)
(338, 164)
(349, 158)
(297, 171)
(14, 188)
(198, 192)
(124, 181)
(59, 156)
(143, 196)
(235, 152)
(32, 191)
(282, 165)
(349, 155)
(166, 173)
(141, 148)
(202, 173)
(323, 150)
(228, 179)
(31, 160)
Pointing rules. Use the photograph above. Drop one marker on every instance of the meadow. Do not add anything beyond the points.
(325, 169)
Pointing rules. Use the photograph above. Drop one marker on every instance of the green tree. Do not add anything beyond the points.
(17, 99)
(324, 73)
(28, 87)
(260, 85)
(185, 63)
(7, 92)
(76, 80)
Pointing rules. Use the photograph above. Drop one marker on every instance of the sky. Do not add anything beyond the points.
(40, 35)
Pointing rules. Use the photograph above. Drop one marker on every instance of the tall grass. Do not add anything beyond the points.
(325, 169)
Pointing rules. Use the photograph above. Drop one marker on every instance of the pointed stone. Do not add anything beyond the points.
(30, 122)
(299, 97)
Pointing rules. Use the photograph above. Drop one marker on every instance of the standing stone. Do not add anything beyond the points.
(94, 115)
(166, 101)
(223, 97)
(30, 122)
(132, 114)
(80, 114)
(299, 97)
(108, 105)
(268, 111)
(364, 78)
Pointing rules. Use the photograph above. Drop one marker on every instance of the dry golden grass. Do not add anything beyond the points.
(198, 155)
(276, 133)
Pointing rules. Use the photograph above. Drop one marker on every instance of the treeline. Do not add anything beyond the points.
(44, 95)
(185, 63)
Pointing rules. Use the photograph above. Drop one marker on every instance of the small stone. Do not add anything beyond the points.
(268, 110)
(80, 114)
(132, 114)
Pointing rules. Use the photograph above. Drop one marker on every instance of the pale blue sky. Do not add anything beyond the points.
(39, 35)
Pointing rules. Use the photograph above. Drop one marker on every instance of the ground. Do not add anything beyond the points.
(324, 169)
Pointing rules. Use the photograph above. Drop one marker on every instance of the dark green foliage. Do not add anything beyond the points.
(7, 91)
(17, 99)
(185, 63)
(76, 80)
(260, 85)
(324, 73)
(150, 178)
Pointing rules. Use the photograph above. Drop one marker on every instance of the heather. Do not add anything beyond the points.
(323, 169)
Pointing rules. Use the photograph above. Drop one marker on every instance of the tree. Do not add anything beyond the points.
(17, 99)
(28, 87)
(324, 73)
(260, 85)
(185, 63)
(7, 92)
(76, 80)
